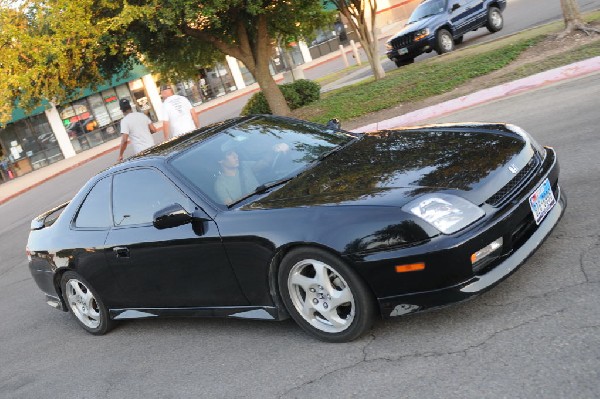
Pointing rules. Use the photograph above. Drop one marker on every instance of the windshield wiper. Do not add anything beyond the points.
(263, 188)
(266, 186)
(337, 149)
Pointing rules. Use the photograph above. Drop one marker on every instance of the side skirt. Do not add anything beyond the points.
(237, 312)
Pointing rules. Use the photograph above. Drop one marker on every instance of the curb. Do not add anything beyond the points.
(532, 82)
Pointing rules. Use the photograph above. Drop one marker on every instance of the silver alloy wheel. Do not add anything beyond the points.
(446, 42)
(82, 303)
(321, 296)
(495, 18)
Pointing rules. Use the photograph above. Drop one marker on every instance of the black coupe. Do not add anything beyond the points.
(265, 217)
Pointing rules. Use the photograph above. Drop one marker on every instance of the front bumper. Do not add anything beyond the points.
(479, 283)
(414, 50)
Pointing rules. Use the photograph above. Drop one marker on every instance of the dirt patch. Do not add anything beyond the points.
(547, 48)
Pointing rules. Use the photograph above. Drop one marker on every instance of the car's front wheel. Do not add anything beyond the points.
(324, 296)
(444, 41)
(495, 20)
(85, 304)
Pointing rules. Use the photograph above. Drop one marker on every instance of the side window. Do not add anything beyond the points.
(95, 210)
(137, 194)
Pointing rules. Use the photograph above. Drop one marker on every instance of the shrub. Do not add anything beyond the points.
(257, 104)
(308, 91)
(296, 94)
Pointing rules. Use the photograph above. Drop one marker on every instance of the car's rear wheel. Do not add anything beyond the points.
(495, 20)
(85, 304)
(324, 296)
(444, 41)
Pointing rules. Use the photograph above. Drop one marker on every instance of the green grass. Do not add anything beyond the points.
(412, 83)
(439, 75)
(332, 77)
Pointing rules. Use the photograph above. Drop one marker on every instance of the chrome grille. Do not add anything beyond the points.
(516, 183)
(402, 41)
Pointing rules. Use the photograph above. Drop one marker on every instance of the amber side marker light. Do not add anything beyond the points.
(411, 267)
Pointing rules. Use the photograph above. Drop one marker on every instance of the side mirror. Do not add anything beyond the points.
(455, 7)
(171, 216)
(334, 124)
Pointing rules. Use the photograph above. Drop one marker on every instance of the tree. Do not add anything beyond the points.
(573, 20)
(46, 56)
(56, 46)
(361, 14)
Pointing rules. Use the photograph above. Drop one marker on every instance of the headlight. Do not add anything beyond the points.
(447, 213)
(421, 34)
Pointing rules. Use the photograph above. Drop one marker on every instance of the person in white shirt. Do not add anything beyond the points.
(137, 127)
(179, 115)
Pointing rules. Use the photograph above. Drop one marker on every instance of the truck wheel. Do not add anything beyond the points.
(495, 20)
(444, 41)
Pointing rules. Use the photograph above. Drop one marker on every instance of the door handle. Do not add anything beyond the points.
(121, 252)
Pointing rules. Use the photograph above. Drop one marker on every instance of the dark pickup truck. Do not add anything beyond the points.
(440, 24)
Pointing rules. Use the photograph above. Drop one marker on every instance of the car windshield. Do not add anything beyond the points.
(426, 10)
(255, 155)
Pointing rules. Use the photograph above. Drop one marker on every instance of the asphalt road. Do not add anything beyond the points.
(536, 335)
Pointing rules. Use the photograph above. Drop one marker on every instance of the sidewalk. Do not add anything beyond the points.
(24, 183)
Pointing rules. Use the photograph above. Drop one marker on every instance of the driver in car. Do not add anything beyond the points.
(236, 178)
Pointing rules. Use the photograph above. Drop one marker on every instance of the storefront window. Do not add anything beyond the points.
(216, 81)
(28, 144)
(99, 110)
(111, 101)
(94, 120)
(190, 90)
(141, 100)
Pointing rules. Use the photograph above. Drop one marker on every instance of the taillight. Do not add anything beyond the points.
(28, 252)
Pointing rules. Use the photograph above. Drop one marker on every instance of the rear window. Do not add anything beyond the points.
(95, 210)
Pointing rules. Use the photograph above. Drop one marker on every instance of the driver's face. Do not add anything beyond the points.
(231, 160)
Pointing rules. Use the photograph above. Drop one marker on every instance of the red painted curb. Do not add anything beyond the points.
(529, 83)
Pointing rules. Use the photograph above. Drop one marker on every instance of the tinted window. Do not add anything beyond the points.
(428, 9)
(95, 210)
(265, 150)
(139, 193)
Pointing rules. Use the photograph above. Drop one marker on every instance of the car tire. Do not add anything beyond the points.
(404, 62)
(495, 20)
(325, 296)
(459, 39)
(85, 304)
(444, 41)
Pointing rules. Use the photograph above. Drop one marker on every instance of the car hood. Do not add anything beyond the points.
(423, 23)
(392, 167)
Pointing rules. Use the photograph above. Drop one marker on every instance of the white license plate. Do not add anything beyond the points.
(541, 201)
(403, 51)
